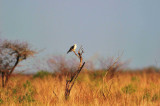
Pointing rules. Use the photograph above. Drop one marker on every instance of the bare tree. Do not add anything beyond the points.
(112, 68)
(60, 64)
(70, 83)
(11, 53)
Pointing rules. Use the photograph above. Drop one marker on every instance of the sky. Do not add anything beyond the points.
(103, 27)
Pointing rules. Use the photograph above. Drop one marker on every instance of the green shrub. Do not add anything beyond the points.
(27, 97)
(29, 93)
(129, 89)
(135, 79)
(41, 74)
(1, 101)
(27, 84)
(155, 97)
(14, 90)
(147, 95)
(97, 74)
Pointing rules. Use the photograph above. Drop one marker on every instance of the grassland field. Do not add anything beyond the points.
(126, 88)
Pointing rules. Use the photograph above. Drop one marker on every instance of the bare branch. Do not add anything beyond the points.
(70, 83)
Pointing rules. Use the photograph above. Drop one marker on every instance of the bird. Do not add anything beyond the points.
(72, 48)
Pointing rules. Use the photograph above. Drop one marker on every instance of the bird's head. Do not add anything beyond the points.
(75, 46)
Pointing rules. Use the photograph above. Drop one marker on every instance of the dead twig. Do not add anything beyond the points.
(55, 94)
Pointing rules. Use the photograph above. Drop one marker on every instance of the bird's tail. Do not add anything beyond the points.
(68, 52)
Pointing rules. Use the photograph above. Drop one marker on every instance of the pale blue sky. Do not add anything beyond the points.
(103, 27)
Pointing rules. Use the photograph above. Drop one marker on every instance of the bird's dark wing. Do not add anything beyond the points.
(70, 49)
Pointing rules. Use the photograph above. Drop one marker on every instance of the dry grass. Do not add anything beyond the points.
(125, 89)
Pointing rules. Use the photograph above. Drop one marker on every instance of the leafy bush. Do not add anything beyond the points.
(29, 92)
(129, 89)
(147, 95)
(14, 90)
(1, 101)
(96, 74)
(135, 79)
(41, 74)
(155, 97)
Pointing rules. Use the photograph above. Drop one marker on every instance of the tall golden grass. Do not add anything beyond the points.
(128, 88)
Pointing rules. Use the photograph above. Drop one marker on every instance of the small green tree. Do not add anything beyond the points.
(11, 53)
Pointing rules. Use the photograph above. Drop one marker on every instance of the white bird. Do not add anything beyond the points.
(73, 48)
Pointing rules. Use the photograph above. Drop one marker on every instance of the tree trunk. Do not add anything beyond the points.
(3, 79)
